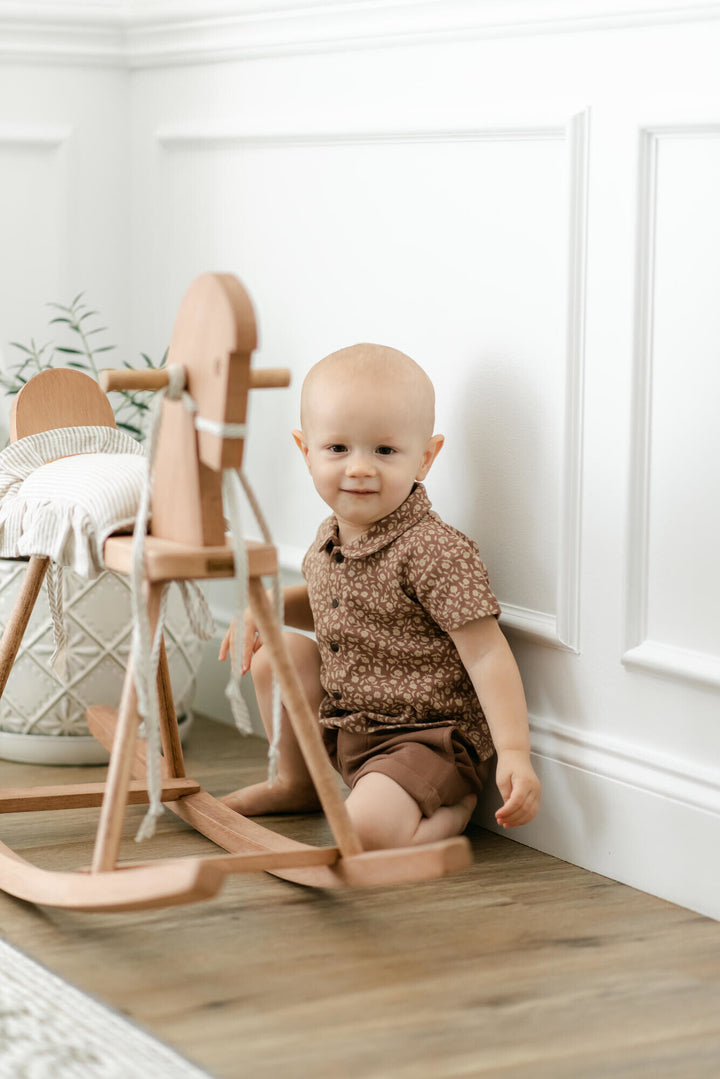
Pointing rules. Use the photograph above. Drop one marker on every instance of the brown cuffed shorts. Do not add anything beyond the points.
(436, 766)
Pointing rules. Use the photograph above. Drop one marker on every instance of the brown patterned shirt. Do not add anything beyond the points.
(384, 606)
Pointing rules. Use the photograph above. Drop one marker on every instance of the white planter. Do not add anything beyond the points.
(42, 718)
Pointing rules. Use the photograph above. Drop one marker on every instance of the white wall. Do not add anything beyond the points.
(64, 177)
(522, 196)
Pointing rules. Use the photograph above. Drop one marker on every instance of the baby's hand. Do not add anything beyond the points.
(251, 642)
(520, 788)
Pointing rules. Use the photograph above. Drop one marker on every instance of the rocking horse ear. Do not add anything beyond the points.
(214, 337)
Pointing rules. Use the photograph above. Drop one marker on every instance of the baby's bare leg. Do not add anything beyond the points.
(293, 790)
(386, 816)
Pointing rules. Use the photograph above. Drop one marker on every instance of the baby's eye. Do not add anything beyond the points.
(386, 451)
(338, 447)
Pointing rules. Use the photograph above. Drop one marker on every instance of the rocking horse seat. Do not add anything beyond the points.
(166, 560)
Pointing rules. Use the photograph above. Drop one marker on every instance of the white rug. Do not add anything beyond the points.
(49, 1030)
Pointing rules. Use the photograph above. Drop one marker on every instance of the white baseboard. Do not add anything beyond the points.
(663, 845)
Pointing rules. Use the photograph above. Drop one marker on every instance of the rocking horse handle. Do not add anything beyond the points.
(267, 379)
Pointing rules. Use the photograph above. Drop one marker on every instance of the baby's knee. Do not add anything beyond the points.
(261, 670)
(383, 814)
(301, 650)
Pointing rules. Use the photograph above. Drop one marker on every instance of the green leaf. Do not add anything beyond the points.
(71, 351)
(60, 318)
(130, 428)
(80, 366)
(105, 348)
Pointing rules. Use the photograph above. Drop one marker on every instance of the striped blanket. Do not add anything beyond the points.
(62, 493)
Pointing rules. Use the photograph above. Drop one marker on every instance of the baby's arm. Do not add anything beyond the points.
(488, 660)
(297, 615)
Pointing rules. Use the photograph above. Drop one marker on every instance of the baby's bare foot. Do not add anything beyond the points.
(261, 799)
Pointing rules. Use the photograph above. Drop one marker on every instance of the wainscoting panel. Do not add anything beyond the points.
(33, 226)
(674, 586)
(438, 231)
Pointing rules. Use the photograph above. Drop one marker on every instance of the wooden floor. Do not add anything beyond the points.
(522, 966)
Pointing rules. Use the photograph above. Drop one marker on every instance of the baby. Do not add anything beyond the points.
(413, 682)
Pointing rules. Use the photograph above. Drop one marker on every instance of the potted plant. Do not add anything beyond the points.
(42, 716)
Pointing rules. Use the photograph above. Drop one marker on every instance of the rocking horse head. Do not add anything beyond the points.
(213, 339)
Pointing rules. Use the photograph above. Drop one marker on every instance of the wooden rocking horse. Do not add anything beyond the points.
(213, 339)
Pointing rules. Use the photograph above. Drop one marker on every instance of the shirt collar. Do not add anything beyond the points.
(379, 535)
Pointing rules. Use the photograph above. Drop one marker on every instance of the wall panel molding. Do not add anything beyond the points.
(241, 31)
(560, 628)
(671, 661)
(156, 33)
(639, 651)
(77, 34)
(29, 137)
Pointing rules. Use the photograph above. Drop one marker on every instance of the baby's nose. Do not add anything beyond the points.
(361, 464)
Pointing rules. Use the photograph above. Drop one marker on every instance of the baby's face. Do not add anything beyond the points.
(365, 449)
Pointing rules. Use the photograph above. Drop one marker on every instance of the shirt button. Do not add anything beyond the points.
(339, 557)
(336, 603)
(334, 646)
(337, 695)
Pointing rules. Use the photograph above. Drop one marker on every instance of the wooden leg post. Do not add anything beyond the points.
(107, 843)
(173, 764)
(305, 724)
(20, 616)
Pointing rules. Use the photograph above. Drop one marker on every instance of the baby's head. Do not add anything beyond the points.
(367, 415)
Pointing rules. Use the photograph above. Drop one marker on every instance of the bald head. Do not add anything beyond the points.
(388, 372)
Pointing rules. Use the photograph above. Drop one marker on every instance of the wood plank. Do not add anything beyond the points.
(143, 888)
(263, 378)
(168, 561)
(259, 861)
(85, 795)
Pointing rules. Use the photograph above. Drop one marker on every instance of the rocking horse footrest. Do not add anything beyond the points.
(85, 795)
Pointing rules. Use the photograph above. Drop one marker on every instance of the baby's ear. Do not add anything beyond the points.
(300, 443)
(432, 449)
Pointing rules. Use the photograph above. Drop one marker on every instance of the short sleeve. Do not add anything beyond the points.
(448, 578)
